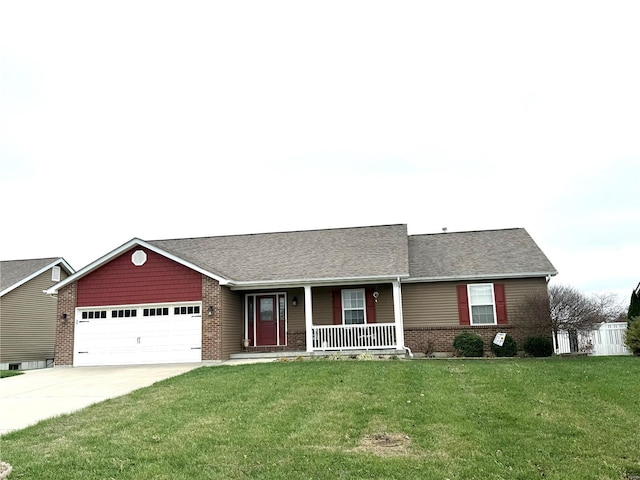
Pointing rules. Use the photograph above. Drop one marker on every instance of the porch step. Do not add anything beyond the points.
(304, 354)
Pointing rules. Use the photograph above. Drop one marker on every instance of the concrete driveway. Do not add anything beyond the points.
(38, 394)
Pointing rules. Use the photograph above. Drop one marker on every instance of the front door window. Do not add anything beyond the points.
(266, 309)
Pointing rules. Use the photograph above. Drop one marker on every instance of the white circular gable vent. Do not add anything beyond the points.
(139, 258)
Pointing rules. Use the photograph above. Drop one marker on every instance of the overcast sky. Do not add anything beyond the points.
(174, 119)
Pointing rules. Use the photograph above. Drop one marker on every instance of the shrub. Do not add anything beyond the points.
(633, 337)
(364, 356)
(468, 344)
(508, 349)
(538, 346)
(427, 347)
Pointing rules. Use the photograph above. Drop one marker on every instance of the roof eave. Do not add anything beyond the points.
(493, 276)
(315, 282)
(59, 261)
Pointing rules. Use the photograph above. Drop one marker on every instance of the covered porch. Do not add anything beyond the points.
(324, 318)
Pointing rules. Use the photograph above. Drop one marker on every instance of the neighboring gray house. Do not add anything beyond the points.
(362, 288)
(27, 314)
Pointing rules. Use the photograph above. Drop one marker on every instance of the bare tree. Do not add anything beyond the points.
(566, 308)
(610, 308)
(534, 314)
(570, 309)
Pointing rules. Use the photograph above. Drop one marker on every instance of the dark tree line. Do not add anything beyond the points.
(634, 305)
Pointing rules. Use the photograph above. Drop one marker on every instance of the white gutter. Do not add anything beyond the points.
(478, 277)
(316, 282)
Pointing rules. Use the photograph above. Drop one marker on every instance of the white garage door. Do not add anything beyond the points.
(143, 334)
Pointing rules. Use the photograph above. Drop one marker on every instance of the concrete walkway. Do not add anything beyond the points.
(39, 394)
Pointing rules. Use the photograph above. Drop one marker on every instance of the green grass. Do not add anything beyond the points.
(9, 373)
(575, 418)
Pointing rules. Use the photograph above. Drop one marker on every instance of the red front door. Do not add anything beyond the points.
(267, 320)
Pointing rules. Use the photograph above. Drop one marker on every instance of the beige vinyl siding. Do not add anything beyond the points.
(232, 322)
(295, 315)
(323, 304)
(28, 321)
(436, 304)
(429, 304)
(384, 305)
(516, 290)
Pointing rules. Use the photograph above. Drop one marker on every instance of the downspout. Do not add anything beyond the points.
(398, 307)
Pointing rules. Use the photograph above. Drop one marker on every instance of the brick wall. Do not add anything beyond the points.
(297, 340)
(295, 343)
(211, 324)
(440, 339)
(67, 299)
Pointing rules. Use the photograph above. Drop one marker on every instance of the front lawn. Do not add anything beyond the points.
(9, 373)
(576, 418)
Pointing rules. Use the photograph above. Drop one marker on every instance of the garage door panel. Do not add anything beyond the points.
(139, 338)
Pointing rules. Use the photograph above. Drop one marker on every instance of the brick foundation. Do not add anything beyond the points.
(297, 340)
(295, 343)
(440, 339)
(419, 340)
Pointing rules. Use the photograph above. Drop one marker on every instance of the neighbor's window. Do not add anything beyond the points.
(353, 311)
(482, 304)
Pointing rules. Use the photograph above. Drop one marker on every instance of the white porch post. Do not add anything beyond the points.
(308, 317)
(397, 314)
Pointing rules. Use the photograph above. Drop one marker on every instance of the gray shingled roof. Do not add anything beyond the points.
(487, 253)
(361, 252)
(14, 271)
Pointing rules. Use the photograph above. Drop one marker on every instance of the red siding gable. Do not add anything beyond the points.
(120, 282)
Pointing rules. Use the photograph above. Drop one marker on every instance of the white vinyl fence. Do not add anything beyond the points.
(607, 339)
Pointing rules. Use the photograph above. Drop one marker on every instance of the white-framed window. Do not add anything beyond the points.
(482, 304)
(55, 274)
(353, 307)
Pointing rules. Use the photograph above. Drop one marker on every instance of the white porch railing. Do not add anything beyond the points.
(353, 337)
(607, 339)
